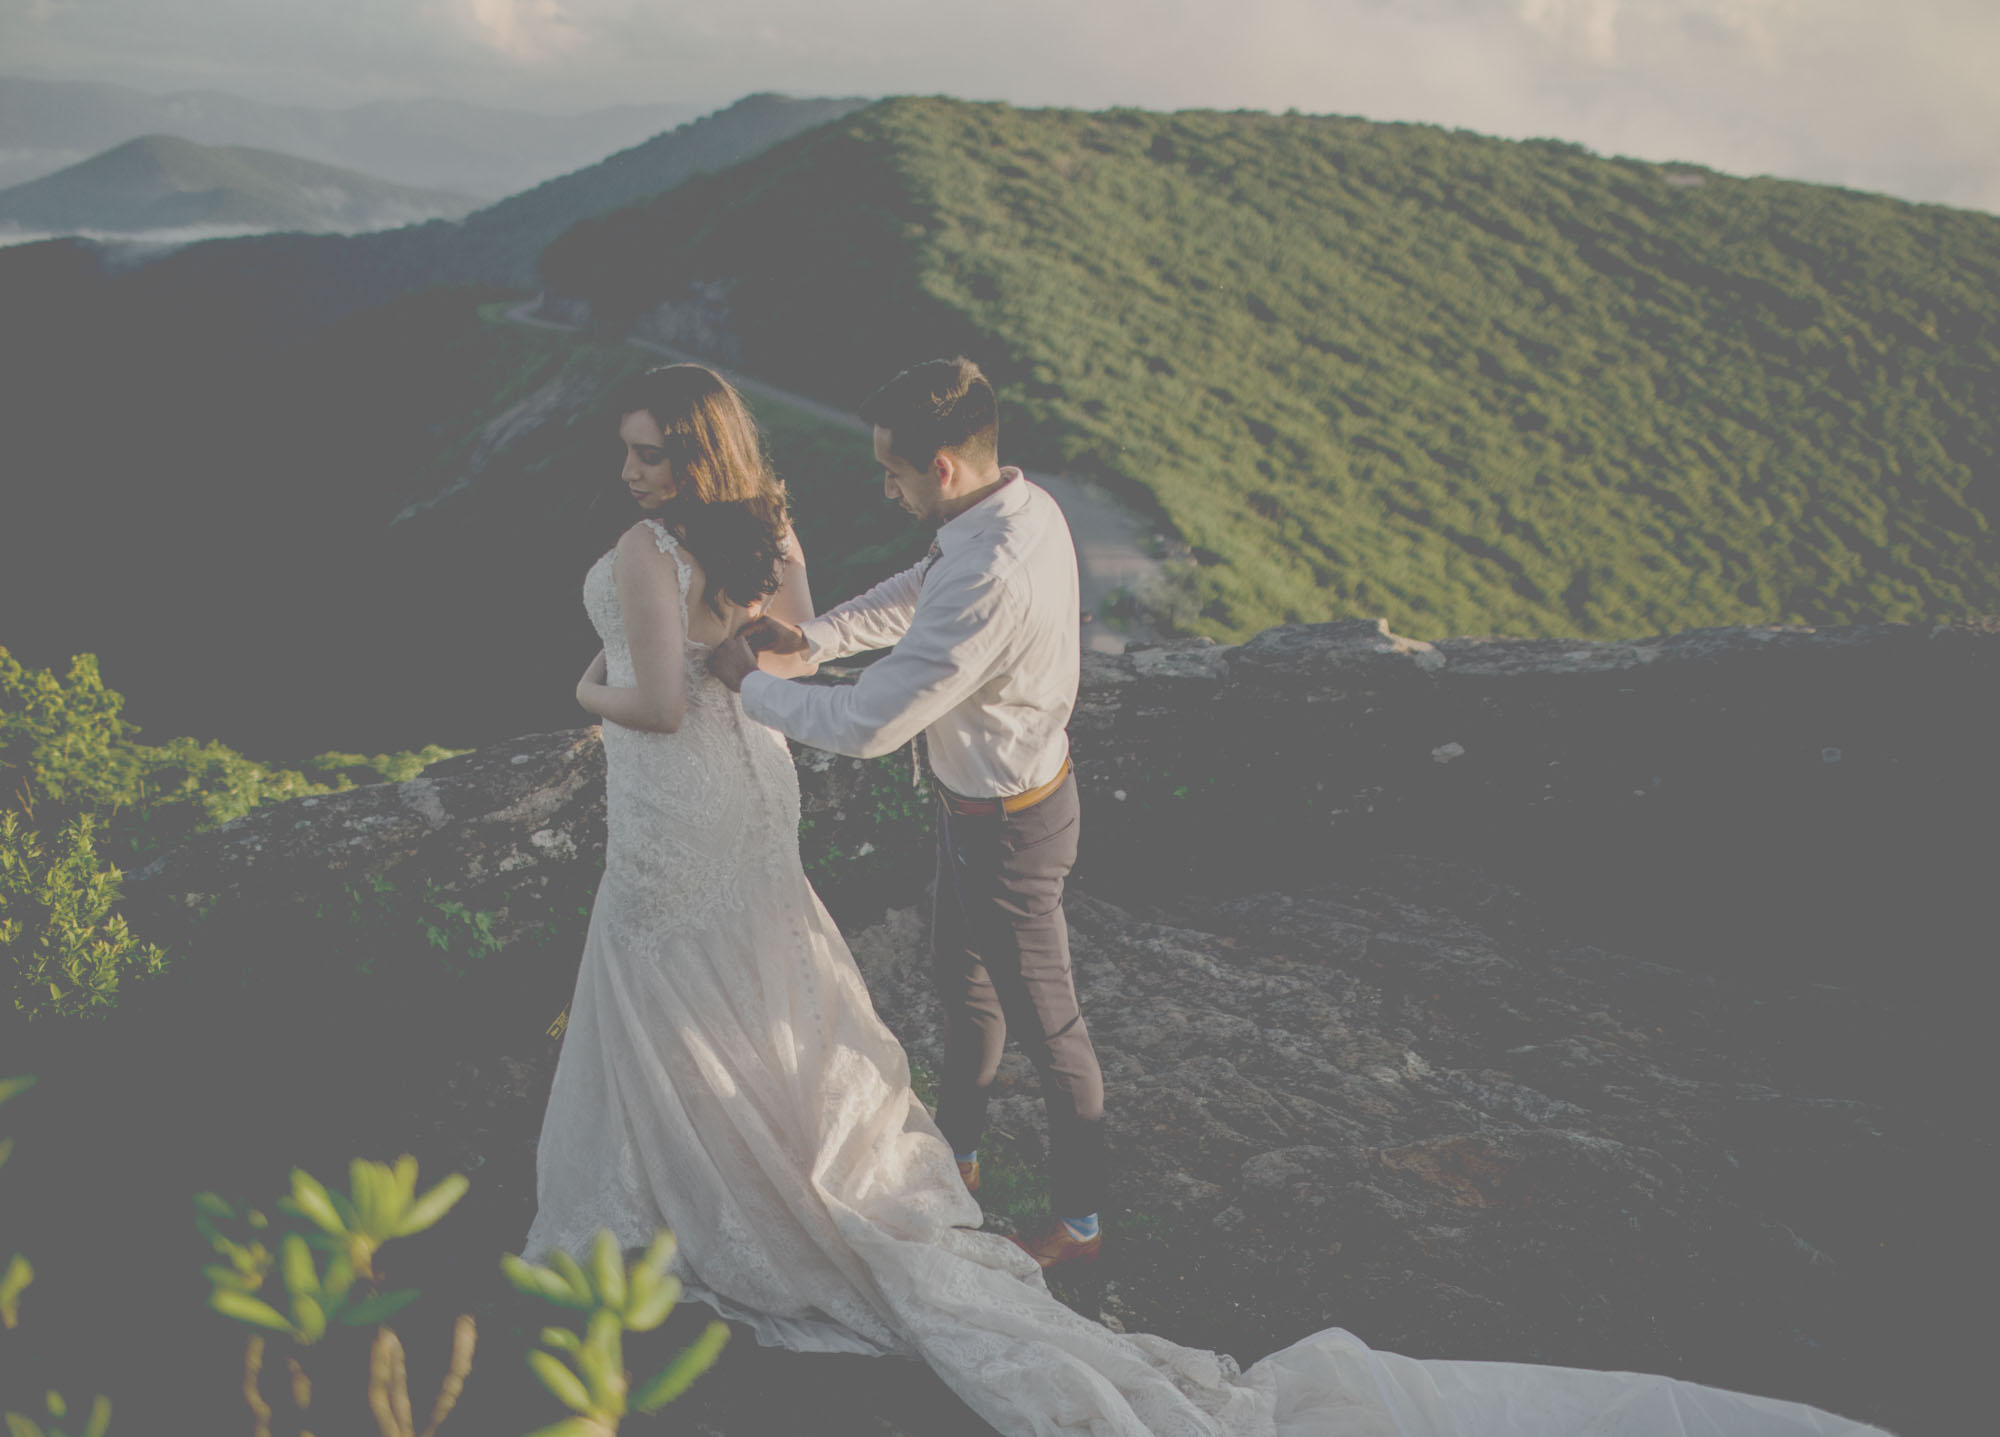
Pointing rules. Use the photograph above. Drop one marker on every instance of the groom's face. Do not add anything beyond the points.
(916, 490)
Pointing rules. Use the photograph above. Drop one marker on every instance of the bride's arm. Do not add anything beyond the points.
(649, 602)
(792, 604)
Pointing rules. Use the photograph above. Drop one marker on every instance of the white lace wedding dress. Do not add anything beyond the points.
(725, 1075)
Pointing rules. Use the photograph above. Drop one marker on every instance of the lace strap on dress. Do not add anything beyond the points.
(664, 537)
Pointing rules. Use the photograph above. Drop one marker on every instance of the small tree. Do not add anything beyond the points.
(66, 952)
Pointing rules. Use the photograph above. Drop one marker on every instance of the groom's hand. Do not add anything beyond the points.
(732, 661)
(773, 636)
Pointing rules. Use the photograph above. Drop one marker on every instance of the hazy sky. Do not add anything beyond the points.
(1896, 95)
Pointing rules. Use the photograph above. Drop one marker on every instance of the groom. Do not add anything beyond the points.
(984, 640)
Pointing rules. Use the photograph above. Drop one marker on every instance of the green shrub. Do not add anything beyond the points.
(67, 953)
(353, 769)
(65, 746)
(379, 919)
(71, 765)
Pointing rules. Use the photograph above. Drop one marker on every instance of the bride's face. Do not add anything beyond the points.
(647, 474)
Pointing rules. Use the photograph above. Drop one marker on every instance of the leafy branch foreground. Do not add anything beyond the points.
(324, 1275)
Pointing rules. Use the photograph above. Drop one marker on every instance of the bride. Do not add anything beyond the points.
(725, 1075)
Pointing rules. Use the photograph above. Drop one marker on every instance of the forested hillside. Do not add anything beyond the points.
(1474, 385)
(376, 541)
(1469, 385)
(234, 301)
(503, 243)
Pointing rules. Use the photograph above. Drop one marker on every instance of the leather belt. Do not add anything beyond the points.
(982, 807)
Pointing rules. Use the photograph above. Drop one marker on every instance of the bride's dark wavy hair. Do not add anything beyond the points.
(730, 510)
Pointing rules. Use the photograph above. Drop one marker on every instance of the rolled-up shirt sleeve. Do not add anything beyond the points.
(950, 648)
(872, 620)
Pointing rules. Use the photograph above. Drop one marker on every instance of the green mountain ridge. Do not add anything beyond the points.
(249, 297)
(161, 182)
(381, 532)
(1469, 385)
(1473, 385)
(294, 393)
(503, 243)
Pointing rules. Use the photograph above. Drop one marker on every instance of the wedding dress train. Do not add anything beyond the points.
(724, 1074)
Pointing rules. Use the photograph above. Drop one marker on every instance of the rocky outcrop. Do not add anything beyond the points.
(1722, 796)
(497, 821)
(1609, 1004)
(697, 322)
(561, 398)
(1784, 777)
(1403, 1104)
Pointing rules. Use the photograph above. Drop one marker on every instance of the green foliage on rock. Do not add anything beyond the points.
(379, 920)
(1473, 385)
(351, 770)
(67, 749)
(881, 828)
(72, 765)
(66, 952)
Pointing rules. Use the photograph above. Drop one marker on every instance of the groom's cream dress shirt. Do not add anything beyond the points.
(986, 640)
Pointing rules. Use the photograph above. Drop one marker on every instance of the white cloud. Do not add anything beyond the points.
(1594, 29)
(1589, 25)
(534, 31)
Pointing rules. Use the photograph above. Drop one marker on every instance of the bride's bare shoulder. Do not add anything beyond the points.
(652, 539)
(649, 536)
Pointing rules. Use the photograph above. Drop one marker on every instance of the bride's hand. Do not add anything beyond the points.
(593, 677)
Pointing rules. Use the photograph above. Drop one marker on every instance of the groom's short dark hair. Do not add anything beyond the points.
(939, 404)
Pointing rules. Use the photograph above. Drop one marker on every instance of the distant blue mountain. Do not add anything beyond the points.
(164, 182)
(477, 150)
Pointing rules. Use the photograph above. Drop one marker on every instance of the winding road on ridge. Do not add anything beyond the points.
(1107, 534)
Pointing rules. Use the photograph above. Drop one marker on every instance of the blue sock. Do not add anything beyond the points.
(971, 1157)
(1083, 1229)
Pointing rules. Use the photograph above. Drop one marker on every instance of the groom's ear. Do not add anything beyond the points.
(943, 465)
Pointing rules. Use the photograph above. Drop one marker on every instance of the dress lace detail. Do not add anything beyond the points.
(681, 833)
(724, 1074)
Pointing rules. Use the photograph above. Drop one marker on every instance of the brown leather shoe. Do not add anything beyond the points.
(1055, 1245)
(968, 1173)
